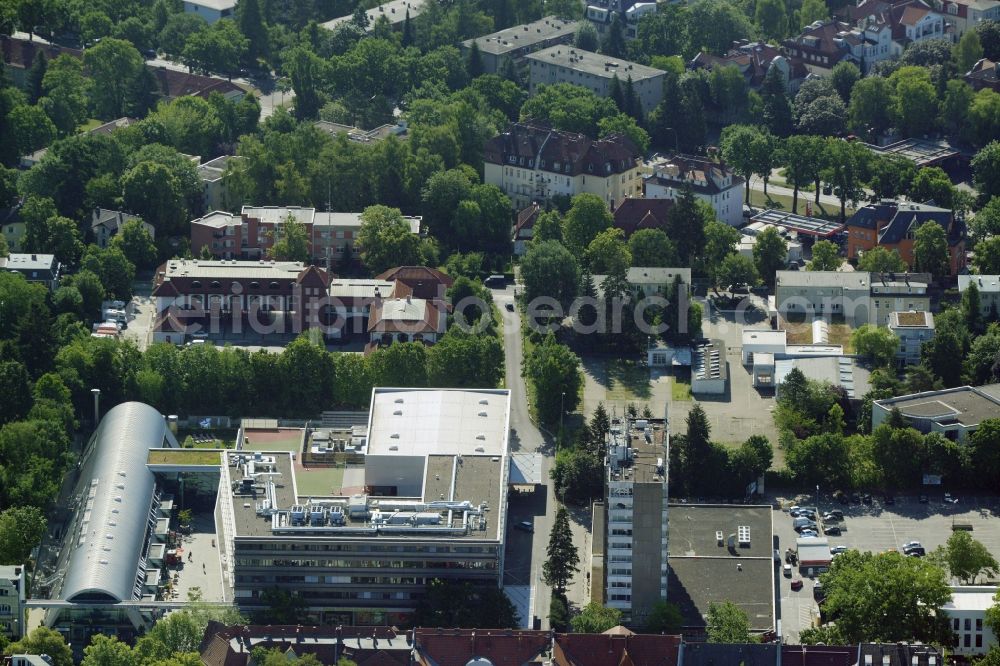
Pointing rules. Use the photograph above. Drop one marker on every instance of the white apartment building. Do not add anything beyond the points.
(211, 10)
(532, 163)
(12, 601)
(965, 15)
(989, 291)
(913, 329)
(967, 611)
(635, 560)
(711, 182)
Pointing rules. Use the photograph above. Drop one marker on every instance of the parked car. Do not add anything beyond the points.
(915, 552)
(837, 550)
(787, 570)
(867, 499)
(912, 544)
(833, 530)
(509, 307)
(832, 516)
(803, 523)
(525, 526)
(950, 499)
(808, 534)
(797, 584)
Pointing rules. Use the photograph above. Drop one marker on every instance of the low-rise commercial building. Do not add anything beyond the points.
(837, 370)
(533, 163)
(967, 612)
(709, 181)
(709, 368)
(913, 329)
(858, 297)
(956, 412)
(565, 64)
(12, 595)
(518, 41)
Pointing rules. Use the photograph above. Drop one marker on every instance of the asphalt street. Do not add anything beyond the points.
(526, 552)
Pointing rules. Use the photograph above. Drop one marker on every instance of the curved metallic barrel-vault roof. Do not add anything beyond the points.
(112, 529)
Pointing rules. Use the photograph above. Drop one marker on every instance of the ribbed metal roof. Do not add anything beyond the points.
(108, 543)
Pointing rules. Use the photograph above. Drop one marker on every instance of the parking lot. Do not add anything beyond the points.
(878, 528)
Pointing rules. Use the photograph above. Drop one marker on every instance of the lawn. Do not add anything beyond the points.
(680, 388)
(319, 481)
(183, 457)
(626, 380)
(782, 202)
(799, 332)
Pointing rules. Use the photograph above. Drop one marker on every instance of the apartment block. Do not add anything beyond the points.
(989, 292)
(709, 181)
(967, 612)
(860, 298)
(565, 64)
(533, 163)
(518, 41)
(913, 329)
(12, 597)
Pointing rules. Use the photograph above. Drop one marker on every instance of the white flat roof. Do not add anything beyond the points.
(763, 336)
(420, 422)
(971, 598)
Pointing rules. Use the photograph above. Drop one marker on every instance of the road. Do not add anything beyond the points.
(525, 566)
(772, 188)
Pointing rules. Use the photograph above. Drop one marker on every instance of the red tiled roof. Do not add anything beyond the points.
(605, 649)
(912, 15)
(634, 214)
(178, 84)
(526, 219)
(425, 282)
(457, 647)
(20, 53)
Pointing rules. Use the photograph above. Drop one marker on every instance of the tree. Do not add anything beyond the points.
(595, 619)
(56, 235)
(987, 256)
(714, 25)
(562, 557)
(736, 142)
(154, 193)
(549, 269)
(21, 529)
(15, 390)
(474, 62)
(802, 158)
(720, 242)
(823, 116)
(966, 558)
(886, 597)
(846, 165)
(879, 344)
(577, 475)
(933, 184)
(664, 618)
(992, 621)
(569, 107)
(982, 118)
(306, 70)
(930, 250)
(107, 651)
(558, 609)
(777, 106)
(986, 169)
(464, 359)
(967, 51)
(31, 128)
(113, 268)
(586, 37)
(812, 11)
(626, 125)
(134, 241)
(958, 99)
(769, 254)
(686, 222)
(220, 48)
(386, 240)
(613, 43)
(736, 270)
(728, 623)
(65, 92)
(869, 112)
(843, 77)
(608, 254)
(458, 603)
(651, 247)
(554, 370)
(292, 242)
(587, 217)
(881, 260)
(251, 24)
(825, 257)
(113, 65)
(43, 640)
(770, 17)
(914, 105)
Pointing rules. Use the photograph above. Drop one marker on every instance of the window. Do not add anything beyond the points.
(979, 640)
(979, 624)
(274, 285)
(255, 285)
(215, 284)
(968, 627)
(196, 284)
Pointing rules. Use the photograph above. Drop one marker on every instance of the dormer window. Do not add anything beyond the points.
(255, 285)
(216, 284)
(274, 285)
(555, 165)
(196, 284)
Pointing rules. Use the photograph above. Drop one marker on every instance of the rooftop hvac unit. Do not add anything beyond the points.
(337, 515)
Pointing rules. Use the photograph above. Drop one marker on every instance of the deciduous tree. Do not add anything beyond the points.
(825, 257)
(386, 240)
(770, 252)
(728, 623)
(930, 250)
(652, 247)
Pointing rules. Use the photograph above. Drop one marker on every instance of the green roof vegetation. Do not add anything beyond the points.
(183, 457)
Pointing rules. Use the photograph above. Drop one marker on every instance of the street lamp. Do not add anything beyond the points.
(97, 402)
(562, 401)
(817, 497)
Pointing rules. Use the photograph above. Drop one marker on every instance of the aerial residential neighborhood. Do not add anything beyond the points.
(500, 332)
